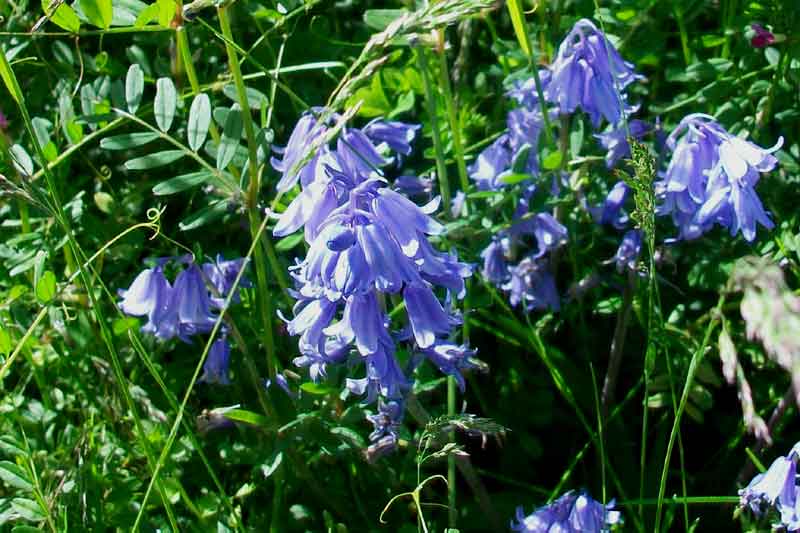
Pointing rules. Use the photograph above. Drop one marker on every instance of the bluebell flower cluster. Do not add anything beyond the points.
(711, 179)
(186, 308)
(588, 73)
(572, 512)
(369, 248)
(776, 489)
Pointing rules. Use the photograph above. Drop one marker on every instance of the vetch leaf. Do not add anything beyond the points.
(128, 140)
(15, 476)
(181, 183)
(552, 161)
(164, 104)
(134, 87)
(270, 467)
(99, 12)
(46, 287)
(208, 214)
(255, 98)
(158, 159)
(248, 417)
(166, 12)
(27, 509)
(63, 16)
(146, 16)
(104, 202)
(199, 121)
(230, 137)
(22, 161)
(518, 21)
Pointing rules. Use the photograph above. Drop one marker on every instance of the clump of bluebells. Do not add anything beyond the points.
(776, 490)
(186, 308)
(369, 252)
(572, 512)
(587, 74)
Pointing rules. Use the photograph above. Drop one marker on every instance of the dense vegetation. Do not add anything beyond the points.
(456, 265)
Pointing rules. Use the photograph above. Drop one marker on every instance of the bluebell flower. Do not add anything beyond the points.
(305, 132)
(398, 136)
(711, 179)
(386, 423)
(282, 383)
(413, 185)
(524, 128)
(451, 359)
(495, 266)
(215, 367)
(571, 513)
(611, 212)
(488, 167)
(628, 251)
(587, 73)
(151, 295)
(221, 274)
(457, 204)
(532, 285)
(615, 141)
(192, 303)
(425, 313)
(524, 91)
(776, 488)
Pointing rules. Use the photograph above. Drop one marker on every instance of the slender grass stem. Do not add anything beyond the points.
(618, 342)
(692, 372)
(438, 148)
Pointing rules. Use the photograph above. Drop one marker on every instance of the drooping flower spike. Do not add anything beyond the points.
(711, 179)
(588, 73)
(367, 242)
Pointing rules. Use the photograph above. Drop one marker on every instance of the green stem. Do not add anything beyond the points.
(693, 366)
(430, 100)
(256, 227)
(452, 115)
(687, 54)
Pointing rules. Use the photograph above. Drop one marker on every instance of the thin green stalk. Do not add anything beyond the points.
(452, 114)
(516, 11)
(680, 445)
(693, 366)
(186, 55)
(253, 190)
(687, 53)
(430, 101)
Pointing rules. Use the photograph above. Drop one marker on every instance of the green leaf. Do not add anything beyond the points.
(165, 102)
(316, 388)
(99, 12)
(520, 161)
(518, 21)
(22, 161)
(64, 16)
(270, 467)
(146, 16)
(122, 325)
(5, 341)
(128, 140)
(134, 87)
(248, 417)
(46, 287)
(255, 98)
(230, 137)
(104, 202)
(9, 78)
(166, 12)
(514, 178)
(158, 159)
(552, 161)
(27, 509)
(199, 121)
(287, 243)
(208, 214)
(15, 476)
(379, 19)
(181, 183)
